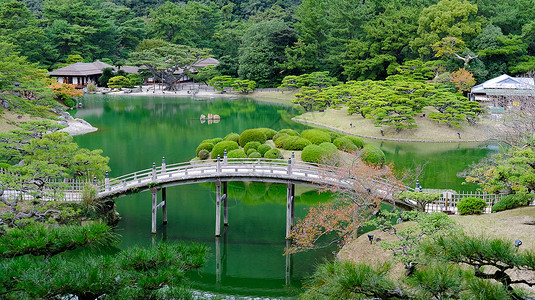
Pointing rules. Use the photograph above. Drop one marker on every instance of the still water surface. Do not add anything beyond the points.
(136, 131)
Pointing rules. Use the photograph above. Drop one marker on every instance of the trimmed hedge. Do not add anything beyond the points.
(204, 146)
(250, 135)
(255, 155)
(289, 132)
(279, 135)
(220, 147)
(236, 153)
(292, 143)
(249, 151)
(356, 140)
(213, 141)
(316, 136)
(251, 145)
(263, 149)
(273, 154)
(203, 154)
(268, 132)
(314, 153)
(512, 201)
(232, 137)
(329, 147)
(471, 206)
(373, 155)
(345, 144)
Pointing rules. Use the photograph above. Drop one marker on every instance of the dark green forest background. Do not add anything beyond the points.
(268, 40)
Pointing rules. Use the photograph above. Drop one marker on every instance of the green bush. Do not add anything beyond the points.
(250, 151)
(232, 137)
(356, 140)
(250, 135)
(314, 153)
(273, 154)
(203, 154)
(289, 132)
(213, 141)
(471, 206)
(373, 155)
(268, 132)
(279, 135)
(329, 147)
(512, 201)
(4, 166)
(263, 149)
(204, 146)
(220, 147)
(70, 102)
(292, 142)
(251, 145)
(255, 155)
(236, 153)
(345, 144)
(316, 136)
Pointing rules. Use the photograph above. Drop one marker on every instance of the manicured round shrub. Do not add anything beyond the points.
(250, 151)
(279, 135)
(203, 154)
(316, 136)
(471, 206)
(273, 154)
(232, 137)
(70, 102)
(373, 155)
(220, 147)
(263, 149)
(512, 201)
(292, 143)
(250, 135)
(268, 132)
(255, 155)
(289, 132)
(356, 140)
(329, 147)
(204, 146)
(251, 145)
(213, 141)
(7, 166)
(236, 153)
(314, 153)
(345, 144)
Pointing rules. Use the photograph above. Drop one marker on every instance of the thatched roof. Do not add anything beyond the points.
(210, 61)
(87, 69)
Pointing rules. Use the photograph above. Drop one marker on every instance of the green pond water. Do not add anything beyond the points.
(137, 131)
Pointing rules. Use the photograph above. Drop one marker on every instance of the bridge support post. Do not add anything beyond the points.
(164, 206)
(290, 193)
(289, 265)
(218, 208)
(225, 204)
(154, 209)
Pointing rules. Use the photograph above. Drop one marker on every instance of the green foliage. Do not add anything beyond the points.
(315, 79)
(270, 133)
(251, 145)
(262, 149)
(273, 154)
(471, 206)
(250, 135)
(70, 102)
(279, 135)
(244, 86)
(232, 137)
(119, 82)
(219, 148)
(316, 136)
(250, 151)
(421, 198)
(289, 132)
(314, 154)
(213, 141)
(203, 154)
(292, 142)
(329, 147)
(255, 155)
(373, 155)
(356, 140)
(236, 153)
(345, 144)
(204, 146)
(221, 82)
(512, 201)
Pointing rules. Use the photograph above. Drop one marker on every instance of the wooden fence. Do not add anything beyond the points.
(448, 201)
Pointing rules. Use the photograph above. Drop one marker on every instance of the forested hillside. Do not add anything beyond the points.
(268, 40)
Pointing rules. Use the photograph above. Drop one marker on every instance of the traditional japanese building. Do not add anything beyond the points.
(504, 91)
(80, 74)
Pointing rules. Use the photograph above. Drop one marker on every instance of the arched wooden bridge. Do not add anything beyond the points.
(225, 170)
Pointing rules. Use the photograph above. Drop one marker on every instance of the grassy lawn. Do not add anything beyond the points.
(8, 120)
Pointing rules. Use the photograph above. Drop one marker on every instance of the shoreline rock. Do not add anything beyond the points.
(77, 126)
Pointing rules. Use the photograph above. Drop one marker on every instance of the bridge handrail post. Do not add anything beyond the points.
(289, 166)
(107, 181)
(218, 165)
(225, 158)
(164, 167)
(153, 171)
